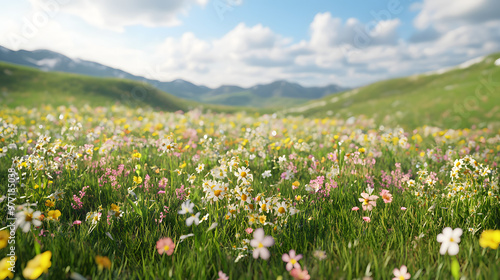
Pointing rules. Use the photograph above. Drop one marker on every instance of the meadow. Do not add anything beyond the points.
(131, 193)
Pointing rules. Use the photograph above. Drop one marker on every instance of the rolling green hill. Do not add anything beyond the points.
(29, 87)
(457, 97)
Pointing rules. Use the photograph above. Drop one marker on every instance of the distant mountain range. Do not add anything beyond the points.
(275, 93)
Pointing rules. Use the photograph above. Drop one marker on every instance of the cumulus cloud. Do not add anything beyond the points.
(117, 14)
(446, 13)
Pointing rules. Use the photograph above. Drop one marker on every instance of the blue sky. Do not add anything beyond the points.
(247, 42)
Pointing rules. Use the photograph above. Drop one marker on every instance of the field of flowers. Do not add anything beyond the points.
(120, 193)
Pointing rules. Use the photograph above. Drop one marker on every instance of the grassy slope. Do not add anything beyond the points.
(458, 98)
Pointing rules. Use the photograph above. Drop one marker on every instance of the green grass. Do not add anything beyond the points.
(248, 99)
(454, 99)
(354, 248)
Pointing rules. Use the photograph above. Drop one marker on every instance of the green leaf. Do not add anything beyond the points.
(136, 209)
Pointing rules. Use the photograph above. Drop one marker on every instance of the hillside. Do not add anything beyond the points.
(29, 87)
(455, 97)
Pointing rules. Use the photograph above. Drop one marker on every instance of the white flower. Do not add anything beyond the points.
(186, 207)
(282, 159)
(449, 240)
(260, 242)
(194, 218)
(26, 217)
(266, 174)
(200, 167)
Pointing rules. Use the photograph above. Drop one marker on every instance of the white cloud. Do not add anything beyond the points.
(446, 13)
(117, 14)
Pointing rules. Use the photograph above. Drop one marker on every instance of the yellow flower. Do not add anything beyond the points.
(38, 265)
(490, 238)
(4, 238)
(49, 203)
(6, 267)
(137, 180)
(102, 262)
(54, 215)
(361, 150)
(115, 207)
(136, 155)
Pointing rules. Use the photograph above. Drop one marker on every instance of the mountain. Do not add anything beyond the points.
(29, 87)
(273, 94)
(454, 97)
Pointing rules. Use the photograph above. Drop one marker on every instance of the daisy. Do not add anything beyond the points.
(280, 208)
(243, 174)
(200, 167)
(449, 240)
(292, 260)
(260, 242)
(26, 217)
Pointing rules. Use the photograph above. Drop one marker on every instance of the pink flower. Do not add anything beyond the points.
(367, 219)
(368, 201)
(355, 208)
(299, 274)
(403, 208)
(222, 276)
(386, 196)
(165, 245)
(401, 274)
(249, 230)
(77, 222)
(291, 259)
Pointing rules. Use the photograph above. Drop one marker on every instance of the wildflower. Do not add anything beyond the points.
(367, 219)
(38, 265)
(401, 274)
(77, 222)
(4, 238)
(299, 274)
(490, 238)
(386, 196)
(222, 276)
(49, 203)
(5, 266)
(403, 208)
(260, 242)
(165, 245)
(186, 207)
(355, 208)
(449, 240)
(102, 262)
(26, 217)
(194, 218)
(54, 215)
(249, 230)
(291, 259)
(243, 174)
(266, 174)
(280, 208)
(137, 180)
(200, 167)
(320, 255)
(369, 201)
(93, 217)
(182, 237)
(212, 226)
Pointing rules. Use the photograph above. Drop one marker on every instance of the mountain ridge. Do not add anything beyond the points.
(48, 60)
